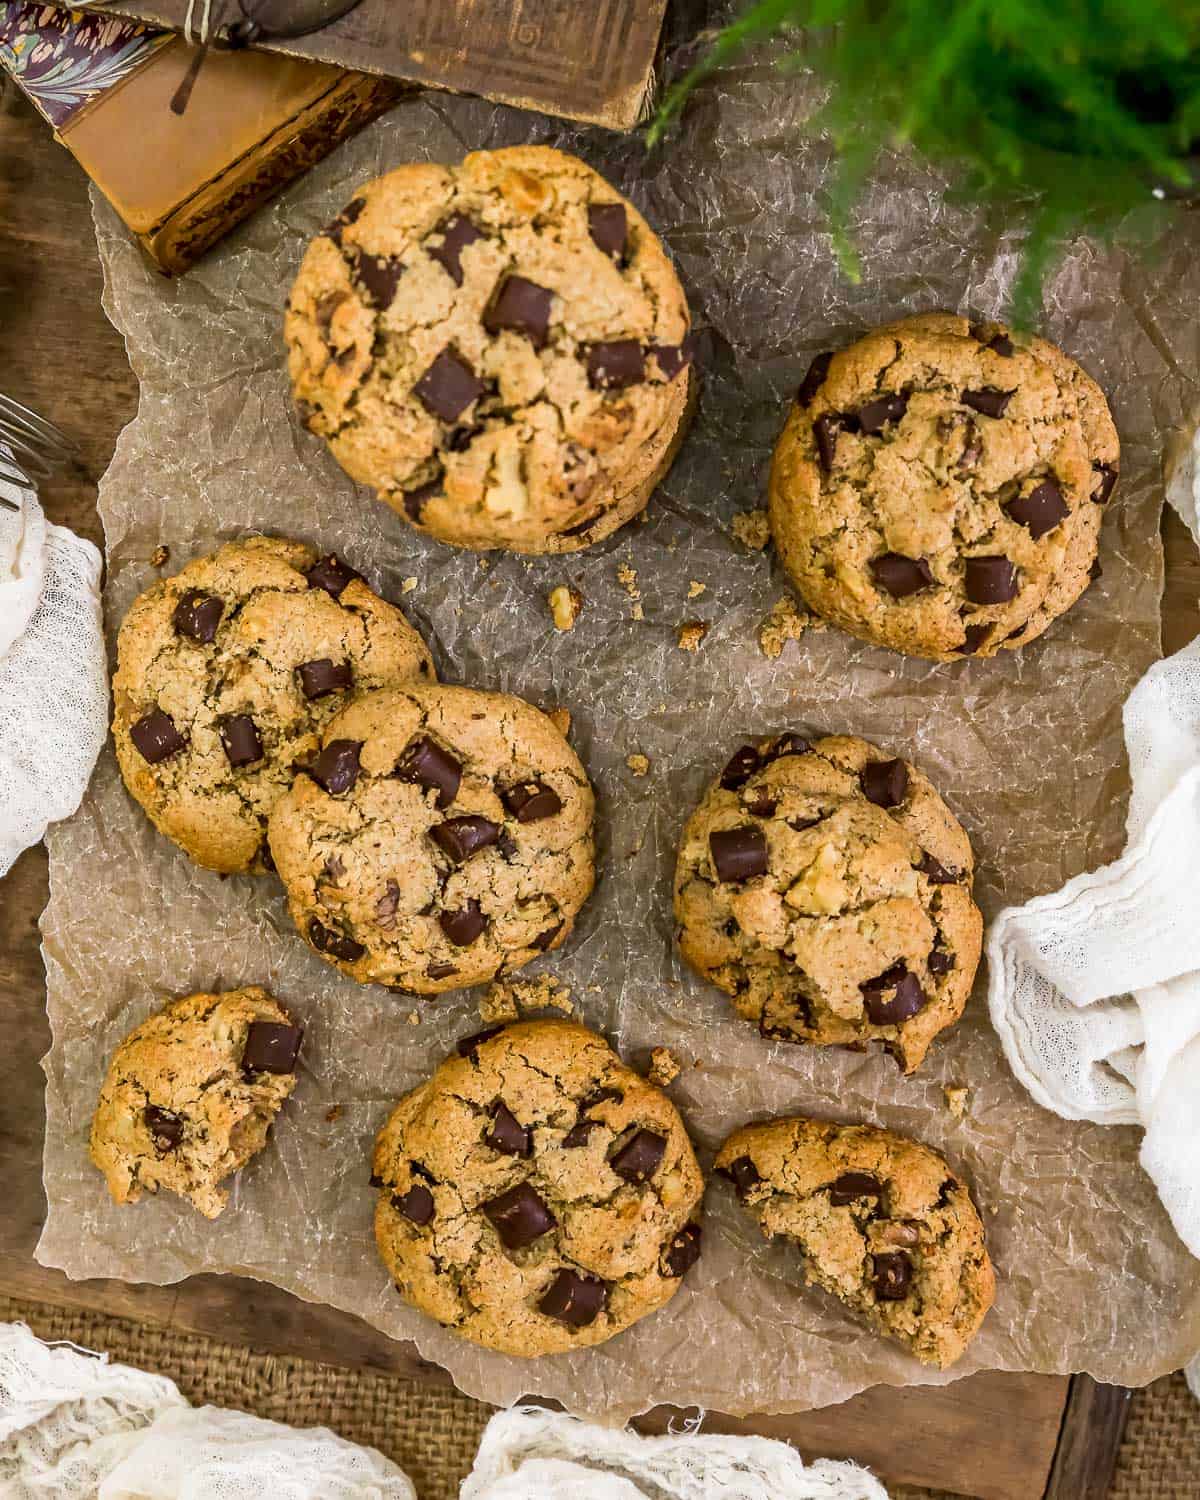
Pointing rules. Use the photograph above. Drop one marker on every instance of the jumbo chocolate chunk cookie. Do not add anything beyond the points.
(499, 349)
(939, 486)
(536, 1195)
(191, 1093)
(826, 888)
(880, 1221)
(441, 836)
(226, 675)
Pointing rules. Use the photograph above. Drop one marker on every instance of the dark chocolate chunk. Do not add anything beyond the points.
(743, 1174)
(380, 276)
(347, 216)
(1041, 510)
(155, 736)
(416, 500)
(240, 738)
(738, 853)
(457, 233)
(906, 996)
(336, 768)
(875, 415)
(573, 1299)
(530, 801)
(600, 1096)
(936, 873)
(448, 386)
(852, 1185)
(336, 944)
(616, 364)
(165, 1126)
(523, 307)
(901, 575)
(544, 939)
(814, 379)
(825, 431)
(683, 1252)
(416, 1205)
(892, 1276)
(459, 838)
(469, 1045)
(375, 1180)
(440, 971)
(430, 766)
(672, 357)
(271, 1047)
(387, 904)
(197, 615)
(1106, 483)
(993, 338)
(321, 677)
(990, 580)
(608, 228)
(519, 1216)
(762, 807)
(939, 961)
(740, 767)
(578, 1134)
(789, 743)
(639, 1158)
(331, 574)
(884, 782)
(988, 402)
(974, 636)
(507, 1136)
(463, 926)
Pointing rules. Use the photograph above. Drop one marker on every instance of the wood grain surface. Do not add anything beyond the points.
(993, 1436)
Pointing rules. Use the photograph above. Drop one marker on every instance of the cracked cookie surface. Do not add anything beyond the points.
(498, 348)
(226, 674)
(535, 1194)
(826, 888)
(939, 486)
(191, 1093)
(442, 836)
(881, 1221)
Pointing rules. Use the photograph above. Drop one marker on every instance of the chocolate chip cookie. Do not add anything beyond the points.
(442, 836)
(535, 1195)
(881, 1221)
(500, 349)
(191, 1093)
(826, 887)
(226, 675)
(939, 486)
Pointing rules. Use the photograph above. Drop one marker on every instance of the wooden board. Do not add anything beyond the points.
(993, 1436)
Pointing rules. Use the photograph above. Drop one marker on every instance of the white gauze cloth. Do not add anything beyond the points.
(73, 1426)
(53, 674)
(527, 1453)
(1095, 990)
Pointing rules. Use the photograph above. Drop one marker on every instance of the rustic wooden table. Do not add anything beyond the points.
(993, 1436)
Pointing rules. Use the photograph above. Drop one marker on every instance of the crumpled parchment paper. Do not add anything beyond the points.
(1026, 748)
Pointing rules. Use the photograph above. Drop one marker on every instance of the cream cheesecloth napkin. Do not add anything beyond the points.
(75, 1427)
(1095, 990)
(53, 677)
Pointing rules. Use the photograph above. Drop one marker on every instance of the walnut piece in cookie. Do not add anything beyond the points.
(826, 888)
(499, 348)
(535, 1194)
(191, 1093)
(939, 486)
(226, 674)
(881, 1221)
(442, 836)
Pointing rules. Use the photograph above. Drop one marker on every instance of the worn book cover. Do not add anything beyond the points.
(586, 59)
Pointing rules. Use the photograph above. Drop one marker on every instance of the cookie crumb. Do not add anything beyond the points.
(334, 1112)
(565, 604)
(507, 999)
(691, 633)
(664, 1067)
(408, 585)
(498, 1005)
(956, 1099)
(637, 613)
(161, 556)
(784, 623)
(485, 564)
(696, 588)
(561, 719)
(751, 528)
(414, 1018)
(627, 578)
(638, 764)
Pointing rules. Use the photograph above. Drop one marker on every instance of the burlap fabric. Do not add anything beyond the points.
(432, 1430)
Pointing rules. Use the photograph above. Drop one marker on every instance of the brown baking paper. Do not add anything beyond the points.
(1026, 748)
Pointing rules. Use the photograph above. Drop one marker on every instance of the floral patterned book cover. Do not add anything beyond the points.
(63, 59)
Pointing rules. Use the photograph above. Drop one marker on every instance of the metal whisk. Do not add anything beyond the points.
(37, 447)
